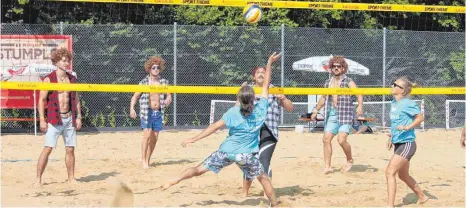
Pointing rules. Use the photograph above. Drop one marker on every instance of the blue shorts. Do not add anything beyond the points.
(154, 121)
(67, 130)
(356, 125)
(332, 125)
(247, 162)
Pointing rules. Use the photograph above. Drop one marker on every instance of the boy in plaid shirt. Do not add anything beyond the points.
(268, 136)
(338, 112)
(151, 107)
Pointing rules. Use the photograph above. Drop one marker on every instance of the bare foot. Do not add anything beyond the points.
(37, 184)
(348, 165)
(145, 165)
(276, 203)
(72, 181)
(422, 200)
(168, 185)
(245, 192)
(328, 170)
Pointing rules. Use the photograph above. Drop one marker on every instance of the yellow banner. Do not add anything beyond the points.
(296, 5)
(219, 90)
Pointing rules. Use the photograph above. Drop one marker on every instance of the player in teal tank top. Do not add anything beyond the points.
(404, 116)
(241, 146)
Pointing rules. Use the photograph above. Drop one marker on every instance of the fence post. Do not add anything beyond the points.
(384, 48)
(174, 73)
(282, 66)
(61, 28)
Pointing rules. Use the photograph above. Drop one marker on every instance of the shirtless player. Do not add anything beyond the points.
(63, 115)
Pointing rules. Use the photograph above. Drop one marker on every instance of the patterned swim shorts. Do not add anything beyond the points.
(247, 162)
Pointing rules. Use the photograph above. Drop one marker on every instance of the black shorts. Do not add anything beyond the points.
(406, 150)
(266, 148)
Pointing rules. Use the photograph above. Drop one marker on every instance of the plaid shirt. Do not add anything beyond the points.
(144, 99)
(273, 113)
(345, 106)
(53, 109)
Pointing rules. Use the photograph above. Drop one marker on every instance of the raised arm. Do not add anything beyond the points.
(268, 73)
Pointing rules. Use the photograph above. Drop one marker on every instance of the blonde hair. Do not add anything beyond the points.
(408, 85)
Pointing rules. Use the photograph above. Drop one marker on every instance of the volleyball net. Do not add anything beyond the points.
(206, 63)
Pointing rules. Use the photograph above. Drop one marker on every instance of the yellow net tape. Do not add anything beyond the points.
(296, 5)
(220, 89)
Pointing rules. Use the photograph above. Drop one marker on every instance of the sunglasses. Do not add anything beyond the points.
(396, 85)
(337, 66)
(155, 67)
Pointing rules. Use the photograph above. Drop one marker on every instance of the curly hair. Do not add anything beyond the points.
(59, 53)
(339, 60)
(154, 60)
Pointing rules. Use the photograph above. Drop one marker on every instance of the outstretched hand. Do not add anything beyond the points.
(274, 57)
(186, 142)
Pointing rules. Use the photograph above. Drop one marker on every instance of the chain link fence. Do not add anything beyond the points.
(225, 56)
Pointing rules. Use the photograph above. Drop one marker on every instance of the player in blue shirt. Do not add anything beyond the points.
(404, 116)
(241, 146)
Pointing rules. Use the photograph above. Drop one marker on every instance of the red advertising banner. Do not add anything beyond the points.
(26, 58)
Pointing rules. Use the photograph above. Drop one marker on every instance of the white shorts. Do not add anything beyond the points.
(66, 130)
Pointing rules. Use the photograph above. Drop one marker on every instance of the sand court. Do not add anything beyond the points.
(102, 159)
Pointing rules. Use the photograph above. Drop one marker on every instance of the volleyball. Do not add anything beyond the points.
(252, 13)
